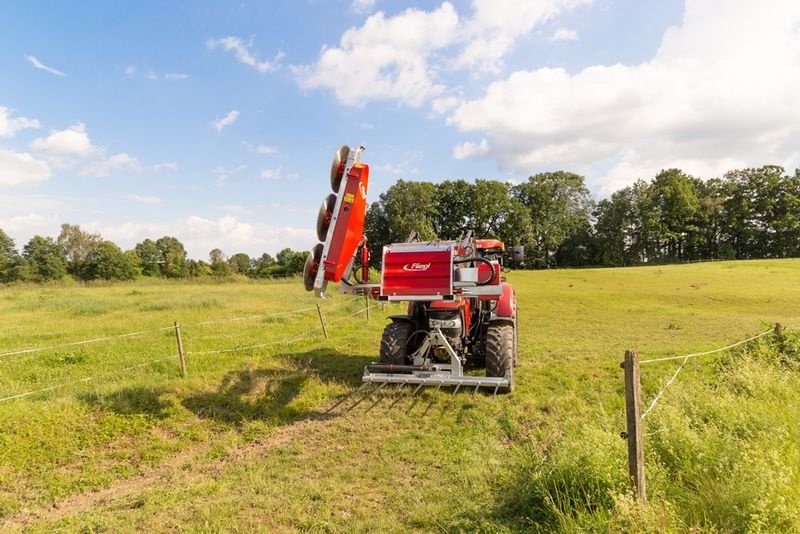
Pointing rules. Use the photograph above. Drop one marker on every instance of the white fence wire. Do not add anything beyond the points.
(290, 339)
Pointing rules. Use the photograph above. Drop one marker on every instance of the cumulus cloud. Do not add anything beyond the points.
(719, 93)
(74, 141)
(241, 51)
(400, 57)
(41, 66)
(471, 150)
(390, 56)
(564, 34)
(227, 120)
(105, 166)
(10, 126)
(496, 25)
(21, 169)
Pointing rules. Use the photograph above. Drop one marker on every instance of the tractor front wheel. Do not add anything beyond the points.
(394, 343)
(500, 351)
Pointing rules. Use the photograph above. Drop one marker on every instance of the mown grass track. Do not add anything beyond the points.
(245, 443)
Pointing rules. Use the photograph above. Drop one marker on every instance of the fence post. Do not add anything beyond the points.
(779, 335)
(181, 355)
(633, 412)
(322, 322)
(366, 304)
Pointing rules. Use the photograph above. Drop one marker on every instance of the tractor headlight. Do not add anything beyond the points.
(445, 324)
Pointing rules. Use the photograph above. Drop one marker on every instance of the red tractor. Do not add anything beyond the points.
(461, 311)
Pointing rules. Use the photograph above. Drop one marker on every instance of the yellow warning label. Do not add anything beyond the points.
(349, 198)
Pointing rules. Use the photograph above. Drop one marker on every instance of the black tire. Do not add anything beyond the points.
(394, 342)
(516, 335)
(500, 351)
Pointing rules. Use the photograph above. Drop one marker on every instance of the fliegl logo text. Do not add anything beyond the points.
(416, 267)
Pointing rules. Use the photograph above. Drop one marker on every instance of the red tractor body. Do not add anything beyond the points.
(461, 310)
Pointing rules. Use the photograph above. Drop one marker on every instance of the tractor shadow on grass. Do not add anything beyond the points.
(130, 401)
(268, 394)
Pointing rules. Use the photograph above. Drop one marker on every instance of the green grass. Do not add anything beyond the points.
(245, 441)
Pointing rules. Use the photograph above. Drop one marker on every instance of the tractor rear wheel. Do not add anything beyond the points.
(500, 351)
(394, 343)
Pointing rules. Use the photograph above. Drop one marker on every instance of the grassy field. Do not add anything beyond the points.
(246, 441)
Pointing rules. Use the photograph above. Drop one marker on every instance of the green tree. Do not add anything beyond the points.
(173, 256)
(9, 258)
(290, 261)
(198, 268)
(678, 207)
(150, 257)
(376, 228)
(455, 200)
(80, 249)
(45, 259)
(219, 264)
(111, 263)
(410, 207)
(559, 206)
(240, 262)
(136, 263)
(260, 267)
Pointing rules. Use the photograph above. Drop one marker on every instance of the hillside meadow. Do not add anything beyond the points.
(252, 438)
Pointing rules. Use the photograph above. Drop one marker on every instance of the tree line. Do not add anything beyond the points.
(747, 213)
(87, 256)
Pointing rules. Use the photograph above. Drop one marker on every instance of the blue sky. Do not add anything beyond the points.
(215, 122)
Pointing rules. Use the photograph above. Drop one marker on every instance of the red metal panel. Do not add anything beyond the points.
(484, 273)
(508, 302)
(349, 224)
(418, 272)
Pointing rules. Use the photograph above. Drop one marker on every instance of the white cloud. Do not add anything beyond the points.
(144, 199)
(564, 34)
(263, 149)
(362, 6)
(130, 71)
(151, 75)
(74, 141)
(496, 25)
(41, 66)
(278, 174)
(21, 169)
(223, 174)
(444, 104)
(9, 127)
(243, 54)
(118, 162)
(199, 235)
(401, 57)
(719, 93)
(172, 76)
(227, 120)
(471, 150)
(390, 56)
(169, 165)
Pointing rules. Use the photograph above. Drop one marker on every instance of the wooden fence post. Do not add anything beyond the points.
(633, 412)
(181, 355)
(366, 303)
(322, 322)
(779, 335)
